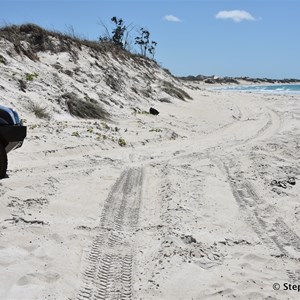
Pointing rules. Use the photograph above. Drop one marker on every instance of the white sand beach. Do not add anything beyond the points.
(187, 208)
(207, 223)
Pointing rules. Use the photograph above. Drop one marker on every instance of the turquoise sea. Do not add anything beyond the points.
(273, 88)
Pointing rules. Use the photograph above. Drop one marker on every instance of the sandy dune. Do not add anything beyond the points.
(186, 210)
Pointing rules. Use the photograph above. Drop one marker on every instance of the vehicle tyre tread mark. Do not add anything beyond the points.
(275, 234)
(108, 272)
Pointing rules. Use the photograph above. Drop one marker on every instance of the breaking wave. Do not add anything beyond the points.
(280, 89)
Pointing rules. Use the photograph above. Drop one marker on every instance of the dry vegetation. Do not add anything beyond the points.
(39, 110)
(86, 109)
(40, 39)
(174, 91)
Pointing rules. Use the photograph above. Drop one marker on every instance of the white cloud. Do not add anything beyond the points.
(171, 18)
(235, 15)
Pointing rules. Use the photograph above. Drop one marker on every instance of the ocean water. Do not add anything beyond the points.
(274, 88)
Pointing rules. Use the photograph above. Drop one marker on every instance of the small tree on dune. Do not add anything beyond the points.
(143, 41)
(152, 48)
(119, 35)
(118, 32)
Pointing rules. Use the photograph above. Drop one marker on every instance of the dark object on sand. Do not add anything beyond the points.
(153, 111)
(283, 183)
(12, 135)
(279, 183)
(291, 180)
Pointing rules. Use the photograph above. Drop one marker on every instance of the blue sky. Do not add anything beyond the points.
(256, 38)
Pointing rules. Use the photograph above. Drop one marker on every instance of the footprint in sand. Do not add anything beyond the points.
(38, 278)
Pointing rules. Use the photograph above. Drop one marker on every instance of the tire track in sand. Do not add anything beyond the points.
(109, 263)
(273, 232)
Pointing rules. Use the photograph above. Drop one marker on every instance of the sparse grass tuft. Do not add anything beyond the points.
(156, 130)
(165, 100)
(168, 71)
(105, 125)
(122, 142)
(30, 77)
(146, 92)
(140, 112)
(114, 82)
(75, 133)
(174, 91)
(22, 85)
(2, 60)
(39, 110)
(31, 127)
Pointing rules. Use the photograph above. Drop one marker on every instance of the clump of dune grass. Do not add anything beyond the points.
(85, 109)
(174, 91)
